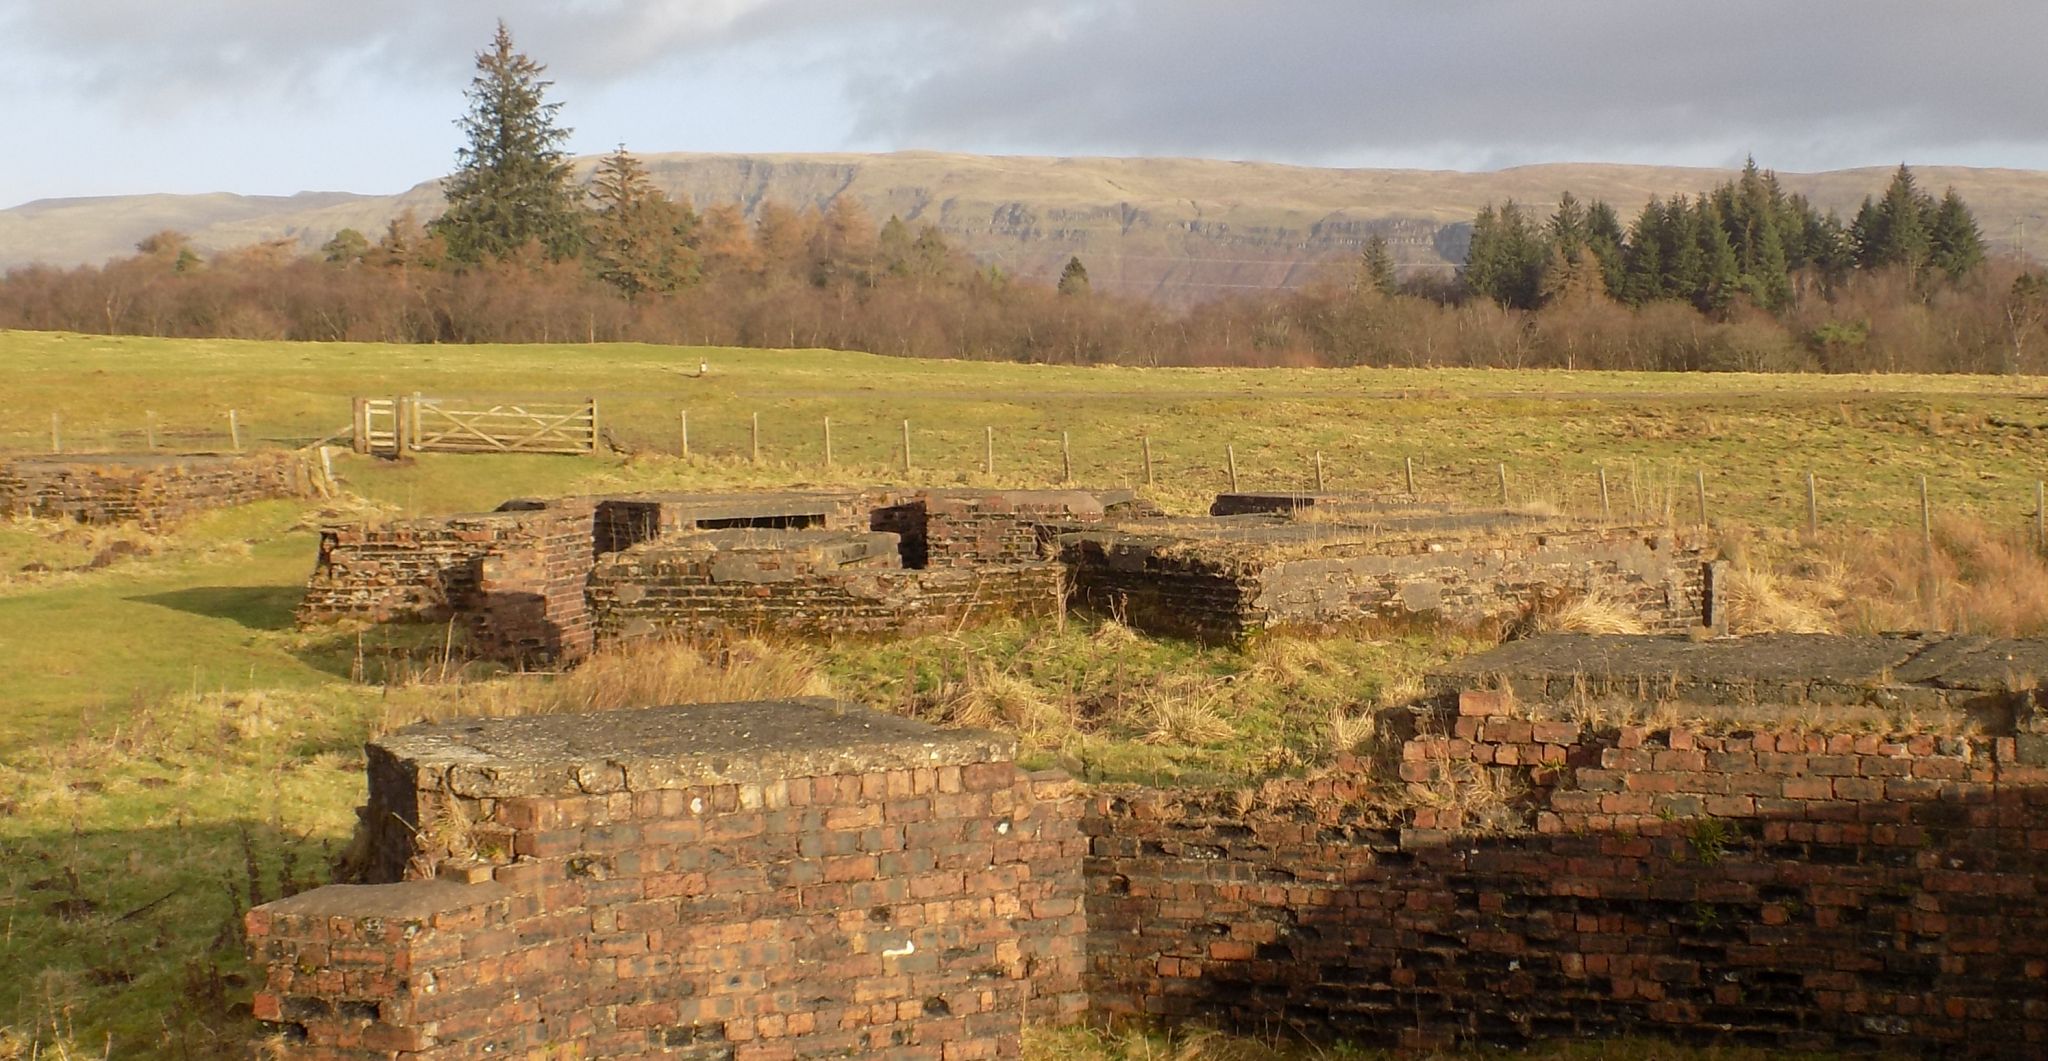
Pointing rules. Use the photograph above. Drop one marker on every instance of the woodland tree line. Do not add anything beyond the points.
(1740, 277)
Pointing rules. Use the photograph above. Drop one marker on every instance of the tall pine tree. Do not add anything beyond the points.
(1958, 247)
(1893, 231)
(1603, 238)
(511, 182)
(639, 239)
(1074, 278)
(1643, 266)
(1376, 267)
(1505, 261)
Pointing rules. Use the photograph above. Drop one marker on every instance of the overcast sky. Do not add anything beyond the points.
(276, 96)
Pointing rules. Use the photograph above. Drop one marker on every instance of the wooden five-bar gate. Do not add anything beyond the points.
(394, 426)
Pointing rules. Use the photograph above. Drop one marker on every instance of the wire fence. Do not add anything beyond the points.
(1186, 464)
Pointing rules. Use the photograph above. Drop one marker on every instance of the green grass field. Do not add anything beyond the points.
(172, 749)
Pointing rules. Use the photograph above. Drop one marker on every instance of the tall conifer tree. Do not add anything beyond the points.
(639, 239)
(511, 182)
(1958, 247)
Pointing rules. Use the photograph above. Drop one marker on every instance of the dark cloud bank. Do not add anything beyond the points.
(1803, 83)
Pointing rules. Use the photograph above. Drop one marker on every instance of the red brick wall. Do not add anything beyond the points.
(530, 608)
(647, 591)
(1777, 889)
(153, 491)
(996, 528)
(1209, 592)
(912, 913)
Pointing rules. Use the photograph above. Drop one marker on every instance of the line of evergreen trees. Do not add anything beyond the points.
(1746, 239)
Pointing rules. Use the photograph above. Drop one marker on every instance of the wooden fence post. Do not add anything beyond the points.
(1606, 510)
(1230, 455)
(906, 447)
(596, 431)
(361, 413)
(1700, 480)
(1319, 471)
(1812, 508)
(828, 442)
(1146, 442)
(1066, 459)
(2041, 515)
(685, 416)
(234, 431)
(56, 433)
(149, 427)
(989, 434)
(754, 438)
(1408, 465)
(1502, 468)
(1926, 520)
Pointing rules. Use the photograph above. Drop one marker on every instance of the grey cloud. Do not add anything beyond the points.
(1489, 81)
(140, 49)
(1501, 77)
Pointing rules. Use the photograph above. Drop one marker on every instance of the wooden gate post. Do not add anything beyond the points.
(360, 411)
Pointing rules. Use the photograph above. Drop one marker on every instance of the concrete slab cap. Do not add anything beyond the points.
(697, 507)
(683, 746)
(58, 462)
(1874, 662)
(1078, 502)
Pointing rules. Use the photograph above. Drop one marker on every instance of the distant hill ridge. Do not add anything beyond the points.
(1177, 230)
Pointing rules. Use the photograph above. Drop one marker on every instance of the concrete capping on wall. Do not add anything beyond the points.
(1983, 682)
(773, 880)
(153, 490)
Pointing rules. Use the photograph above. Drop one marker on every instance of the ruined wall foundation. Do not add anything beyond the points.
(1222, 580)
(149, 489)
(1740, 858)
(728, 881)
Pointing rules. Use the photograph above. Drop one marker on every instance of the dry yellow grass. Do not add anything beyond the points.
(637, 674)
(1595, 612)
(1803, 599)
(1186, 716)
(991, 698)
(1969, 578)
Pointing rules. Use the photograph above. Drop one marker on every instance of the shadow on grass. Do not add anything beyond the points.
(387, 652)
(141, 962)
(256, 607)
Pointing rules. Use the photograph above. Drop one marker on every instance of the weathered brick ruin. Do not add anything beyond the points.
(1601, 836)
(149, 489)
(1823, 867)
(571, 573)
(1225, 577)
(806, 583)
(886, 562)
(733, 881)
